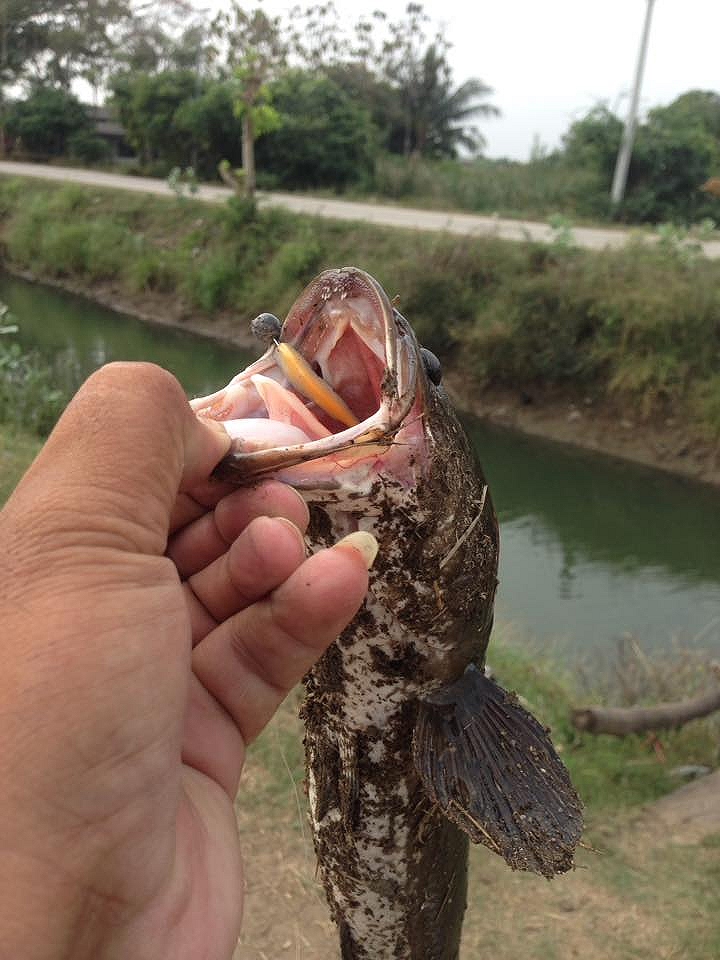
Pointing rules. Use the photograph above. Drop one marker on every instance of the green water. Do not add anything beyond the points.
(591, 549)
(78, 336)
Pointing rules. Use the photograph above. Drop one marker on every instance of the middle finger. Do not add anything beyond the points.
(201, 542)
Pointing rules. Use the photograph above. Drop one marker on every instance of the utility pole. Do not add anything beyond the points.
(628, 137)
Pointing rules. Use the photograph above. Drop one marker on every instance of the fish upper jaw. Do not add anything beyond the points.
(339, 398)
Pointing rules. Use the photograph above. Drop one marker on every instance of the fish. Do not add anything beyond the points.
(412, 749)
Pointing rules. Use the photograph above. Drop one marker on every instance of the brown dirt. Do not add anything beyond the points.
(643, 889)
(613, 429)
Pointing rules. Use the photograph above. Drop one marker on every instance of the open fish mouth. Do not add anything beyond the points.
(339, 393)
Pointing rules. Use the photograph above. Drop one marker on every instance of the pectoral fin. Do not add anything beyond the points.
(491, 768)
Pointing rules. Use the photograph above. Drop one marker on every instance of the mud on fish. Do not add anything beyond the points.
(411, 749)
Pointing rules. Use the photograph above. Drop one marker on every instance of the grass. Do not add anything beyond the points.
(536, 190)
(17, 450)
(636, 326)
(633, 895)
(610, 773)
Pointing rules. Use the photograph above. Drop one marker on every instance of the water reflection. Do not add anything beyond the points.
(79, 336)
(590, 548)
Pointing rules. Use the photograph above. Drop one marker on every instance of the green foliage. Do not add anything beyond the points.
(670, 163)
(676, 150)
(58, 40)
(609, 773)
(593, 142)
(537, 189)
(88, 148)
(147, 105)
(178, 119)
(29, 399)
(48, 121)
(324, 139)
(211, 130)
(638, 324)
(18, 447)
(182, 182)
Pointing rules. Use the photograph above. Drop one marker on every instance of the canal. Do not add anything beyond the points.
(592, 549)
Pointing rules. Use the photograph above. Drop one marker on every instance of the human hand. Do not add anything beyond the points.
(152, 623)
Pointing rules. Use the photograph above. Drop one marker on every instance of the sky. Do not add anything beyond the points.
(550, 61)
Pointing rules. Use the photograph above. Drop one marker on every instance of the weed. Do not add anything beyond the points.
(210, 284)
(638, 325)
(608, 772)
(183, 182)
(29, 398)
(18, 448)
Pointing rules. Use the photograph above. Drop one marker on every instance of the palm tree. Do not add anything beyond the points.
(437, 115)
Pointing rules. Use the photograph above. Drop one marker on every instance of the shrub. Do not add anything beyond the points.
(29, 399)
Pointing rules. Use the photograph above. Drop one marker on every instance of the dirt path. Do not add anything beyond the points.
(464, 224)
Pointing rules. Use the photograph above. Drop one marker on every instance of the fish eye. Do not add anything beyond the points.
(432, 365)
(266, 327)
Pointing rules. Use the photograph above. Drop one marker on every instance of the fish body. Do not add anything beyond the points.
(410, 749)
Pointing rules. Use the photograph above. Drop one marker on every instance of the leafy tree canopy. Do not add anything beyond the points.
(57, 40)
(46, 120)
(325, 138)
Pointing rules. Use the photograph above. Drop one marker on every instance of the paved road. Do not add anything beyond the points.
(465, 224)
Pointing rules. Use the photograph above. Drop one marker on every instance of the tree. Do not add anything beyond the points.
(47, 120)
(54, 41)
(361, 85)
(325, 138)
(57, 40)
(401, 76)
(669, 166)
(593, 141)
(147, 105)
(441, 114)
(434, 113)
(676, 150)
(257, 50)
(209, 122)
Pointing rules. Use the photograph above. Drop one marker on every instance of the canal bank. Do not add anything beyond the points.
(614, 351)
(593, 548)
(560, 415)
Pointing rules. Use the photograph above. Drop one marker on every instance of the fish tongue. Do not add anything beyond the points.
(491, 768)
(284, 406)
(261, 434)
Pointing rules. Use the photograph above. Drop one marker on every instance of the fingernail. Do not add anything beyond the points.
(295, 529)
(220, 434)
(303, 502)
(365, 544)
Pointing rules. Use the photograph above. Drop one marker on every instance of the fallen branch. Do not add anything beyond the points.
(620, 721)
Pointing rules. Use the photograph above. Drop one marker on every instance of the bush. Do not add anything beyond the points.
(29, 399)
(47, 121)
(86, 146)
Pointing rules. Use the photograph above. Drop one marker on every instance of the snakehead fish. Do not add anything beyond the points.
(411, 749)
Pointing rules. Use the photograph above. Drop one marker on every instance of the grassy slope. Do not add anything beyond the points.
(638, 325)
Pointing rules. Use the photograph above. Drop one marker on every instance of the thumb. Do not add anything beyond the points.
(127, 443)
